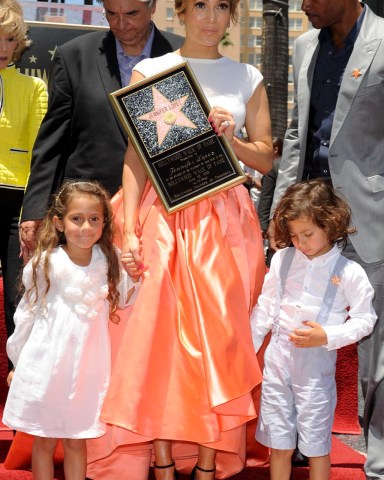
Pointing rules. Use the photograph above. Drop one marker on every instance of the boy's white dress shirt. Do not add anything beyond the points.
(303, 296)
(298, 395)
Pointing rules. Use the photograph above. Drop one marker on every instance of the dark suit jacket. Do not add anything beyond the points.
(81, 136)
(268, 183)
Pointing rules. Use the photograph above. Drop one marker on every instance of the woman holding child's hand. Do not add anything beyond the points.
(186, 366)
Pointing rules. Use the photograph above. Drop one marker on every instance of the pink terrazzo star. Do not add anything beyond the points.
(166, 113)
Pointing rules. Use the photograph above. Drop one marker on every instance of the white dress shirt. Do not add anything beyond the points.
(303, 296)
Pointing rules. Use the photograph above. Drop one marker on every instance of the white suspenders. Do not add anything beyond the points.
(330, 291)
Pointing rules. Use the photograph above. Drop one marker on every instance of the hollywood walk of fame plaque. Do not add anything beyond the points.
(166, 118)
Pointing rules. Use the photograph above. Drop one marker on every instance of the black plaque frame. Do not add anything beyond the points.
(166, 118)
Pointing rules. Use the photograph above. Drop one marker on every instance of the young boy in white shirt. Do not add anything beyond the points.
(307, 296)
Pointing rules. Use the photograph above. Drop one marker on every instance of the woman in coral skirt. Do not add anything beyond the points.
(186, 366)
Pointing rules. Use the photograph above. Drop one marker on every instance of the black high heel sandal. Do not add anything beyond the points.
(175, 473)
(196, 467)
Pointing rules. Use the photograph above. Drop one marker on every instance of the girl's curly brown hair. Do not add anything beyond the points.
(49, 238)
(12, 24)
(318, 201)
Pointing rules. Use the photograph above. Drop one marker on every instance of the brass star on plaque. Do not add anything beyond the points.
(167, 113)
(356, 73)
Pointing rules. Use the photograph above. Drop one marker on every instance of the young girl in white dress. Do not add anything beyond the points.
(60, 348)
(304, 302)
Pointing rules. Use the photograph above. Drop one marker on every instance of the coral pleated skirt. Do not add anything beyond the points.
(186, 367)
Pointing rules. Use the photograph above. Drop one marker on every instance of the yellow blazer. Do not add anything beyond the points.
(23, 103)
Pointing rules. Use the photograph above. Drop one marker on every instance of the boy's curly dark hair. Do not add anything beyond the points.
(318, 201)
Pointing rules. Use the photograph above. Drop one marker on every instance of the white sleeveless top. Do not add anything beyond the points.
(226, 83)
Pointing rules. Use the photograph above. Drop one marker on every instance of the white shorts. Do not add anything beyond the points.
(298, 398)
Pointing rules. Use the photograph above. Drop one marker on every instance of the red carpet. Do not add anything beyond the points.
(346, 415)
(346, 463)
(3, 356)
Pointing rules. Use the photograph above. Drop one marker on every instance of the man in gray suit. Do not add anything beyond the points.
(81, 136)
(337, 132)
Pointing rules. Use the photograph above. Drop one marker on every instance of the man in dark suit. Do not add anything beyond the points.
(81, 136)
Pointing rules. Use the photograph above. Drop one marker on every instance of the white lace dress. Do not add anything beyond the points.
(61, 351)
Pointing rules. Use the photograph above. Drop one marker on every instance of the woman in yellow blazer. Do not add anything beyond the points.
(23, 103)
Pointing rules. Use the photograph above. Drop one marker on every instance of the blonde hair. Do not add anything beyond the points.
(181, 6)
(12, 23)
(49, 238)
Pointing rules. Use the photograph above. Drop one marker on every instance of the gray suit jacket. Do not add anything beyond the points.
(81, 135)
(356, 153)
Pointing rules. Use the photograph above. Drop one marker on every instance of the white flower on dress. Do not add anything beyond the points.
(85, 288)
(73, 293)
(104, 291)
(90, 297)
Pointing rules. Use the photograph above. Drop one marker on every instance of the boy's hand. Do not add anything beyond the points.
(309, 337)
